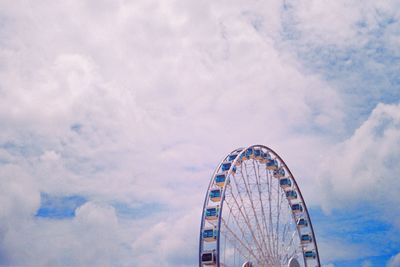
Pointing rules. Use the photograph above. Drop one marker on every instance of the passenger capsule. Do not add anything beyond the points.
(297, 208)
(258, 154)
(239, 160)
(285, 183)
(305, 239)
(226, 166)
(232, 157)
(215, 195)
(220, 179)
(208, 257)
(212, 213)
(247, 264)
(272, 164)
(234, 170)
(291, 194)
(302, 222)
(278, 173)
(265, 157)
(310, 254)
(209, 234)
(249, 153)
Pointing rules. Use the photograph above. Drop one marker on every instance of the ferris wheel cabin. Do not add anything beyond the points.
(226, 166)
(291, 194)
(305, 239)
(212, 213)
(210, 234)
(285, 183)
(248, 154)
(310, 254)
(279, 173)
(220, 179)
(209, 257)
(272, 164)
(215, 195)
(297, 208)
(302, 222)
(232, 157)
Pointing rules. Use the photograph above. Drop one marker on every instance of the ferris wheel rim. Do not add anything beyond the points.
(240, 152)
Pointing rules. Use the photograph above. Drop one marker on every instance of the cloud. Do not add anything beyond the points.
(361, 169)
(394, 261)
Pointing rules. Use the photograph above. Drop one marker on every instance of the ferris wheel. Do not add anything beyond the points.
(254, 214)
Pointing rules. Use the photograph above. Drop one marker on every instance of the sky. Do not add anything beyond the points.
(114, 114)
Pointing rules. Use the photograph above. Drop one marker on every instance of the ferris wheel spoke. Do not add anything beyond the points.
(238, 224)
(249, 249)
(279, 204)
(250, 196)
(243, 213)
(264, 219)
(269, 192)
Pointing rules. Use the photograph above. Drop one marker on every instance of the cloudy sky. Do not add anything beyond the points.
(113, 115)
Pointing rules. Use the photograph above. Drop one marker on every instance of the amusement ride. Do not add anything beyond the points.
(254, 214)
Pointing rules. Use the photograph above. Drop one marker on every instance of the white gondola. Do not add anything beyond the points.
(212, 213)
(279, 173)
(291, 194)
(285, 183)
(215, 195)
(209, 257)
(210, 234)
(306, 239)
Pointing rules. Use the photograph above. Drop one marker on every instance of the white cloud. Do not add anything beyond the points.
(394, 261)
(362, 168)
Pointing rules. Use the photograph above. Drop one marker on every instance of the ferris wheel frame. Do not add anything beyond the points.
(239, 155)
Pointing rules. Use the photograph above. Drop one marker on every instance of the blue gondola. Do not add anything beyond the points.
(272, 164)
(291, 194)
(215, 195)
(220, 179)
(285, 182)
(265, 157)
(258, 153)
(278, 173)
(297, 208)
(302, 222)
(305, 239)
(310, 254)
(239, 160)
(209, 234)
(232, 157)
(212, 213)
(208, 257)
(249, 154)
(226, 166)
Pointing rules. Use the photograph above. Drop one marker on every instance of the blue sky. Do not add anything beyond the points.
(113, 115)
